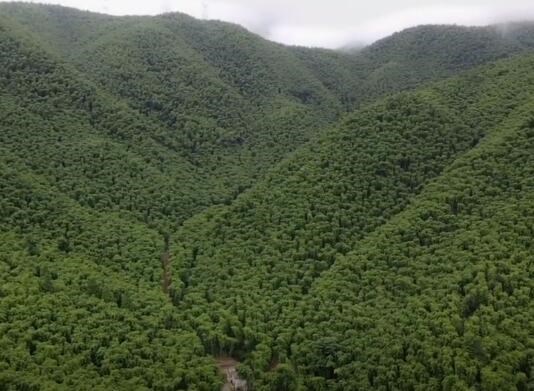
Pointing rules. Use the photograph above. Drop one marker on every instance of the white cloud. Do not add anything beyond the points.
(328, 23)
(335, 23)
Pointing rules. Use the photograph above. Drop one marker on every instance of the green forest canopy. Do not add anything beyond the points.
(175, 190)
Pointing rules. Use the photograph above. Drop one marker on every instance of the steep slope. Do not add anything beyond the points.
(244, 268)
(234, 104)
(413, 56)
(81, 305)
(423, 53)
(227, 100)
(441, 296)
(95, 149)
(82, 233)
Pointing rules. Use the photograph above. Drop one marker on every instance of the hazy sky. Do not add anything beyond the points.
(327, 23)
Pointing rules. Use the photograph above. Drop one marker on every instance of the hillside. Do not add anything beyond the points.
(441, 296)
(224, 136)
(413, 56)
(424, 53)
(174, 192)
(232, 103)
(245, 269)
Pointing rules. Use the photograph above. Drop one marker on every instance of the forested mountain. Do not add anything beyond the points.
(175, 190)
(244, 269)
(440, 297)
(231, 103)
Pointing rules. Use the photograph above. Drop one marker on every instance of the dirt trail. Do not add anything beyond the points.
(228, 367)
(166, 279)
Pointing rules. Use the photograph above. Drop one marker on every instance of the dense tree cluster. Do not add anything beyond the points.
(441, 296)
